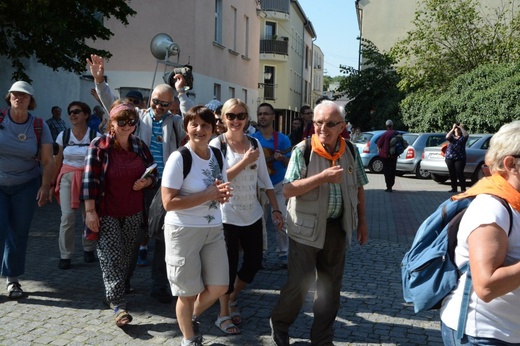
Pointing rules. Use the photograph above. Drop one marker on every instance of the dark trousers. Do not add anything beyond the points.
(456, 169)
(251, 239)
(389, 167)
(306, 264)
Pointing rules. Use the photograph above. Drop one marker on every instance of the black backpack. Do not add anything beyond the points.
(66, 138)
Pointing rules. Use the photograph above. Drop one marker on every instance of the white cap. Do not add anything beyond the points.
(22, 87)
(389, 123)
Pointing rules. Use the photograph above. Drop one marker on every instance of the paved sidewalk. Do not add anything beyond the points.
(64, 307)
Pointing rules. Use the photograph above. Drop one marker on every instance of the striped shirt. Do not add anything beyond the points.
(156, 143)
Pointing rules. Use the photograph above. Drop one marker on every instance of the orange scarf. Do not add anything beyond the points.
(494, 185)
(320, 149)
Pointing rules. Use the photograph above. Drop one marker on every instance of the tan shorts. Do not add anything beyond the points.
(195, 257)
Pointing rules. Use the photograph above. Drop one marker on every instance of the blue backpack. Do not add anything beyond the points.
(428, 269)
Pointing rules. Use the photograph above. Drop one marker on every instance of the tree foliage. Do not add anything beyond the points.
(483, 99)
(454, 37)
(373, 90)
(55, 32)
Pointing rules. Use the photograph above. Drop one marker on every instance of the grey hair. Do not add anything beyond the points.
(503, 143)
(330, 104)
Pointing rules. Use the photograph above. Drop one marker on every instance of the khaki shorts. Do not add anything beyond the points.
(195, 257)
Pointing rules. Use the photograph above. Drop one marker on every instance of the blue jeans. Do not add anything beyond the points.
(17, 206)
(449, 337)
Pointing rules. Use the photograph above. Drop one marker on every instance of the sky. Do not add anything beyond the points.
(336, 27)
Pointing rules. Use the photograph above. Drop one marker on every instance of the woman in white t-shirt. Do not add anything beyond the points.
(243, 215)
(69, 165)
(491, 244)
(196, 258)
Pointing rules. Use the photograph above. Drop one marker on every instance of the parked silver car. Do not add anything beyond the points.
(476, 149)
(410, 160)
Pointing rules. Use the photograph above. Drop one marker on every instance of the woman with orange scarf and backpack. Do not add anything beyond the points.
(492, 251)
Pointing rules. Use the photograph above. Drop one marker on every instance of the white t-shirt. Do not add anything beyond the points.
(499, 318)
(202, 174)
(76, 150)
(243, 208)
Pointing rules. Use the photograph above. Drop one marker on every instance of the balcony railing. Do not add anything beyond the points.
(274, 46)
(276, 5)
(268, 91)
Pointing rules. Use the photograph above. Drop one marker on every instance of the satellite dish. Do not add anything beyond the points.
(163, 46)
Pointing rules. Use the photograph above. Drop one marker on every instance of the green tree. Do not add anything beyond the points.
(451, 38)
(326, 82)
(55, 32)
(373, 90)
(483, 99)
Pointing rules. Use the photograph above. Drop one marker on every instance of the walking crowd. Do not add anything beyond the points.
(203, 183)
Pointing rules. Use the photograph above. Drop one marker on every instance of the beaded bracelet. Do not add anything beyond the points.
(276, 211)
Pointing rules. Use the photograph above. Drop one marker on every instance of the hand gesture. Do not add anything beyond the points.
(278, 156)
(94, 94)
(92, 221)
(142, 183)
(251, 155)
(220, 192)
(97, 67)
(180, 82)
(333, 174)
(277, 220)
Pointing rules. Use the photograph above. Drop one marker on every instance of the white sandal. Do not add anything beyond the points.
(226, 329)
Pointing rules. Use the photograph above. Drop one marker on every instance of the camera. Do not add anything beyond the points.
(185, 71)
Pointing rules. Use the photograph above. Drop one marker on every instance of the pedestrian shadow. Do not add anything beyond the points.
(149, 331)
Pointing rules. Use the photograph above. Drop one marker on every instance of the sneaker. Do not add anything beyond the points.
(141, 258)
(15, 290)
(64, 264)
(89, 257)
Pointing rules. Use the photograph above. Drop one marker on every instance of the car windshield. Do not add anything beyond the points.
(410, 138)
(472, 140)
(364, 137)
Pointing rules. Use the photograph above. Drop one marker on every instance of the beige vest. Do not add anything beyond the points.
(307, 213)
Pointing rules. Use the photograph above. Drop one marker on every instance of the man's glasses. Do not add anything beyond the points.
(263, 113)
(162, 103)
(233, 116)
(307, 113)
(135, 102)
(129, 122)
(75, 111)
(328, 124)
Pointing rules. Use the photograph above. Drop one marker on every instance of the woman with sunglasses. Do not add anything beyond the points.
(69, 164)
(243, 215)
(115, 175)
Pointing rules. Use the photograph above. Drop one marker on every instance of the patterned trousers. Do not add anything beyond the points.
(116, 241)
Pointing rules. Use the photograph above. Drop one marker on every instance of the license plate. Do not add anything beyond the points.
(435, 156)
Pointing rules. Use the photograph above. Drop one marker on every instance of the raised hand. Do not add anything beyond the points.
(97, 67)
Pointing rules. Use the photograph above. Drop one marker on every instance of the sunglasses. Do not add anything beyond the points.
(218, 120)
(75, 111)
(162, 103)
(134, 101)
(233, 116)
(328, 124)
(129, 122)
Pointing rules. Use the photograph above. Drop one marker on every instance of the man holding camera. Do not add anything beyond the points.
(162, 132)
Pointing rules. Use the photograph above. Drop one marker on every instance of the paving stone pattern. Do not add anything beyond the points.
(64, 307)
